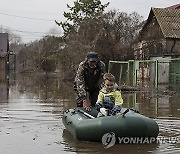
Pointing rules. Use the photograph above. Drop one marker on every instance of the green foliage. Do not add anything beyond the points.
(82, 10)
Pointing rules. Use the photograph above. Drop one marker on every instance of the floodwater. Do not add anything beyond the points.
(31, 108)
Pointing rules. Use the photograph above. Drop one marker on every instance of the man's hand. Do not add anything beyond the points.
(86, 105)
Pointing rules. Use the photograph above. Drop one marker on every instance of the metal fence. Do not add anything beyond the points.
(146, 73)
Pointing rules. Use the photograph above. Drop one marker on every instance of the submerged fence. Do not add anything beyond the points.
(146, 72)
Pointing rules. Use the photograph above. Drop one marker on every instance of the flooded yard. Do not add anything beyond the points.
(31, 109)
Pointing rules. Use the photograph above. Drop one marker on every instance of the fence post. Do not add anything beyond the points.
(134, 74)
(120, 74)
(109, 66)
(128, 74)
(156, 74)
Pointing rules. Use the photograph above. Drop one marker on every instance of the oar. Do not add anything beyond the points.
(85, 113)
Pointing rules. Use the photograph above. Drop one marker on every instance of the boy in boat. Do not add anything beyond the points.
(109, 99)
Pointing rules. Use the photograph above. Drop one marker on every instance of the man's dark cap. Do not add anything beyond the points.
(92, 56)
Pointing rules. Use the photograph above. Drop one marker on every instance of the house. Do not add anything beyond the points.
(159, 40)
(160, 35)
(156, 51)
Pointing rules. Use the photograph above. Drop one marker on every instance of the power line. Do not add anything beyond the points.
(32, 35)
(26, 17)
(27, 32)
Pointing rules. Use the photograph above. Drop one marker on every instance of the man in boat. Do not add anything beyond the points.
(109, 99)
(88, 80)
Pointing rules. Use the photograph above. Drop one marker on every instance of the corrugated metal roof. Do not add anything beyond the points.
(169, 21)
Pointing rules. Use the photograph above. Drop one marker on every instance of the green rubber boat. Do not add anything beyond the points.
(85, 125)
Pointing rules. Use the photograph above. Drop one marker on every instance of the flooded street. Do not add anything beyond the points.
(31, 108)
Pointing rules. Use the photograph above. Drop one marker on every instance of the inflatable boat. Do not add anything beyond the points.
(85, 125)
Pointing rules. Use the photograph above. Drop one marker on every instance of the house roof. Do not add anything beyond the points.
(168, 20)
(177, 6)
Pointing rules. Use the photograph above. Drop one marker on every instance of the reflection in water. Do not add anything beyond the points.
(95, 147)
(42, 87)
(153, 105)
(32, 114)
(4, 91)
(4, 87)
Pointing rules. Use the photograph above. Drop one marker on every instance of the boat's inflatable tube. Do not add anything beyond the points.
(85, 125)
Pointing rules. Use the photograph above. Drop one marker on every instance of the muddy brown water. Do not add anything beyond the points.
(31, 109)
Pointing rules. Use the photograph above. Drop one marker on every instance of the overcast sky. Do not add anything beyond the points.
(32, 19)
